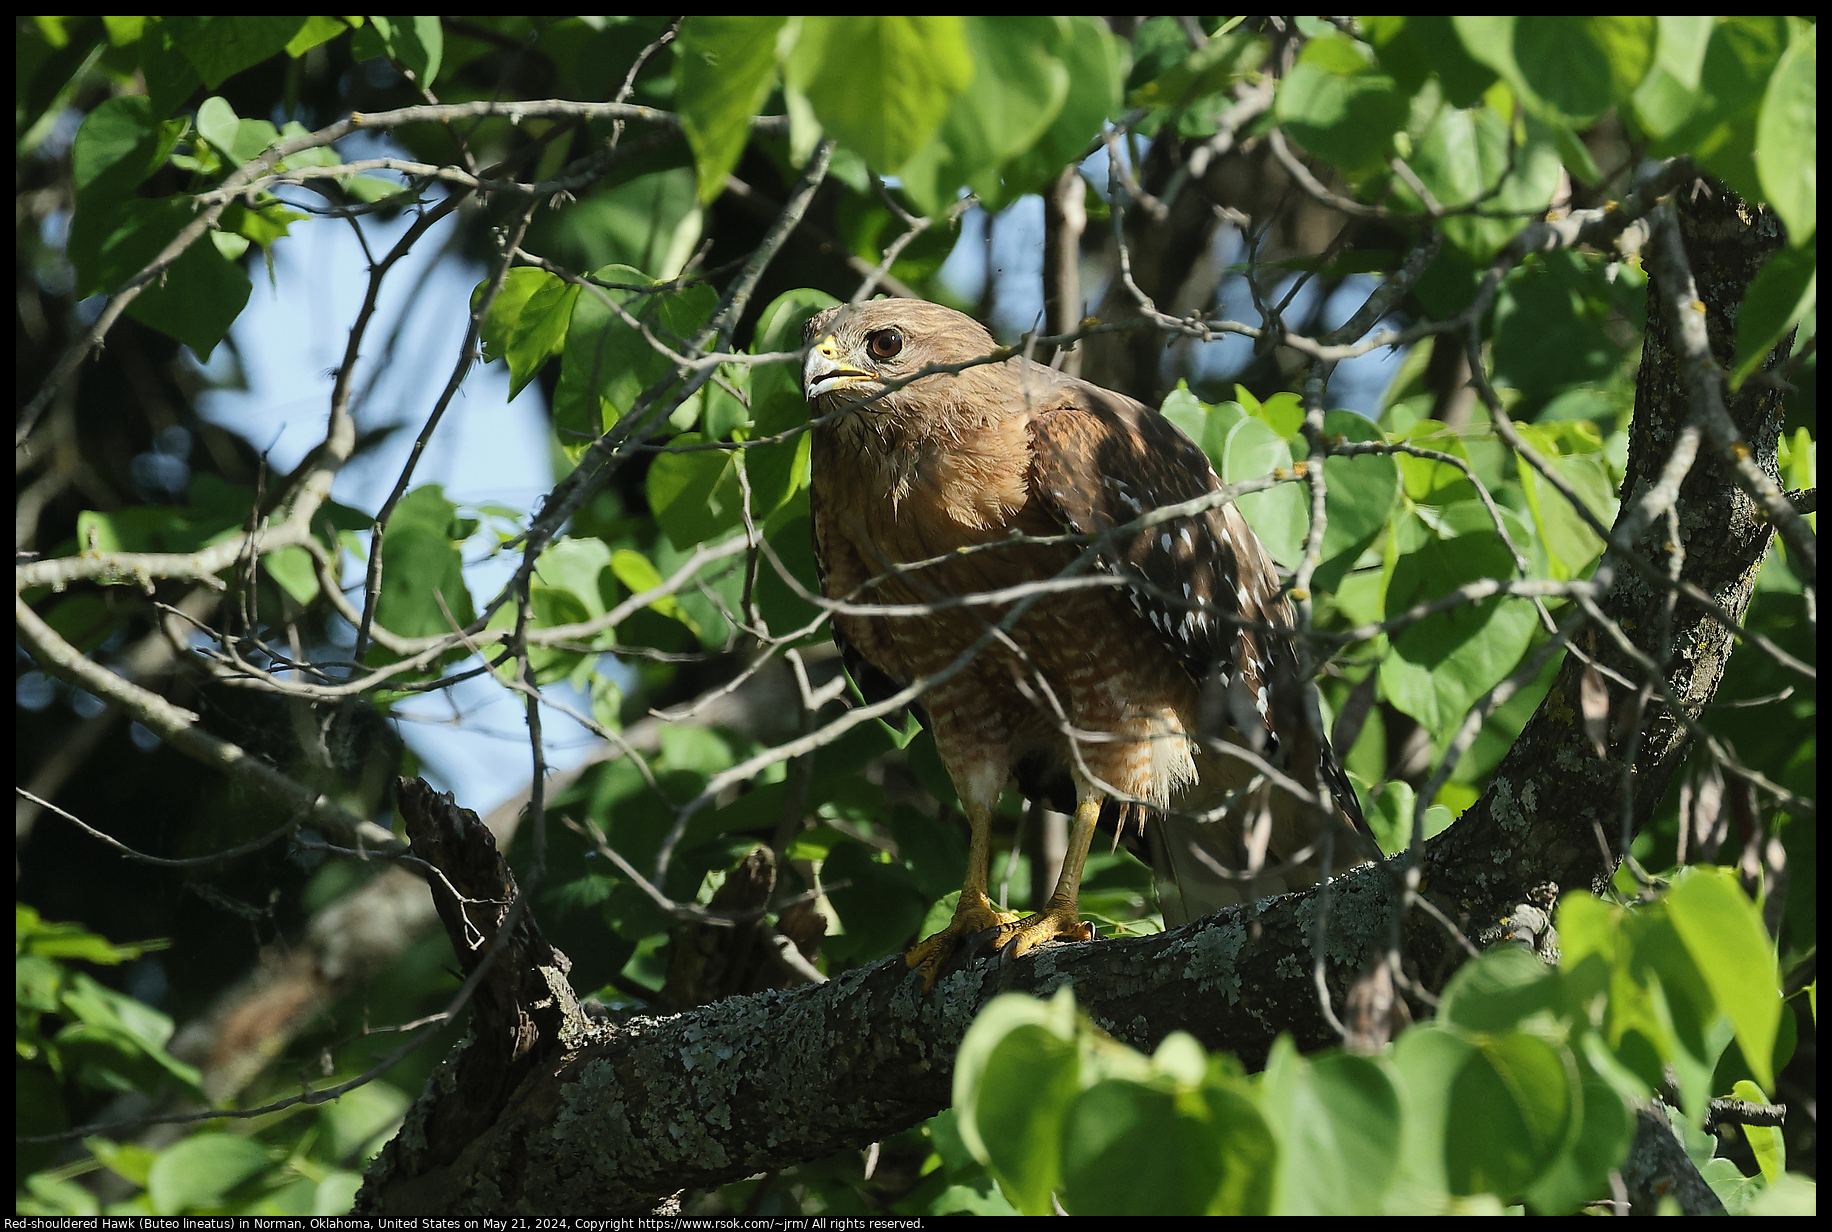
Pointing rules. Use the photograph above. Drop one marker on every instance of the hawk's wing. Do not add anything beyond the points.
(1103, 460)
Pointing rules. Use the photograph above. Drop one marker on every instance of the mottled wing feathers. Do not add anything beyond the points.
(1102, 461)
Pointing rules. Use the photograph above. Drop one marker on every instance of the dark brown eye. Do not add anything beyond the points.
(884, 344)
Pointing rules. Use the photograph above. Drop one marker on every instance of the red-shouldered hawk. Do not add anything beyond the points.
(1114, 685)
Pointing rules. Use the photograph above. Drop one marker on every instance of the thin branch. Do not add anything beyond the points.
(184, 731)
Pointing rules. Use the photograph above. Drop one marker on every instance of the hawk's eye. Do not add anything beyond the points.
(884, 344)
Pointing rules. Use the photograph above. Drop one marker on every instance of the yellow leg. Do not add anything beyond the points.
(1060, 918)
(974, 914)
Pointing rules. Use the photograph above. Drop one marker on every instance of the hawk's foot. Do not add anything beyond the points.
(1056, 922)
(981, 930)
(970, 921)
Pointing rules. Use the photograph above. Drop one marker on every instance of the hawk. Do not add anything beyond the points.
(1124, 686)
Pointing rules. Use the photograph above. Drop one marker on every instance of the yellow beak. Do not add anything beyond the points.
(824, 372)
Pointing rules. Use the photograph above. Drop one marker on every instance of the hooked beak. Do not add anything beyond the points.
(823, 373)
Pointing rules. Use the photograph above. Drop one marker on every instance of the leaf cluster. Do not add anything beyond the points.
(1521, 1092)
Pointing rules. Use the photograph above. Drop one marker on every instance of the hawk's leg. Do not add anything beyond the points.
(974, 914)
(1060, 918)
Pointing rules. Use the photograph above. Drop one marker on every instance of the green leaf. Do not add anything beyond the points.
(1511, 1108)
(370, 188)
(881, 84)
(1130, 1149)
(237, 140)
(1667, 95)
(1781, 295)
(1361, 491)
(1014, 1080)
(262, 225)
(170, 78)
(100, 1005)
(1421, 46)
(649, 222)
(1243, 447)
(1210, 69)
(115, 1043)
(606, 364)
(124, 30)
(1500, 990)
(1337, 1121)
(1018, 86)
(1464, 156)
(527, 322)
(217, 509)
(1426, 1060)
(1765, 1141)
(1787, 137)
(293, 570)
(577, 565)
(414, 44)
(639, 575)
(1338, 104)
(548, 606)
(51, 1194)
(1389, 810)
(726, 67)
(1443, 663)
(195, 299)
(119, 144)
(67, 940)
(1548, 328)
(353, 1119)
(420, 560)
(128, 1160)
(790, 534)
(315, 31)
(36, 983)
(1567, 69)
(1582, 1170)
(221, 46)
(1283, 412)
(1721, 131)
(880, 907)
(1662, 1013)
(198, 1172)
(1568, 541)
(777, 471)
(1723, 932)
(695, 496)
(1095, 61)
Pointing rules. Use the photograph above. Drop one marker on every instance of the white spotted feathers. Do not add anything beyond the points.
(1202, 581)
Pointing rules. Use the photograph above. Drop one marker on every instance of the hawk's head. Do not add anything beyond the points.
(857, 350)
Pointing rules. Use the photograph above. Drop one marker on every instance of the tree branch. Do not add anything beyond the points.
(639, 1111)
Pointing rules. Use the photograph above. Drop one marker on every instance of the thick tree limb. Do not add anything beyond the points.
(639, 1111)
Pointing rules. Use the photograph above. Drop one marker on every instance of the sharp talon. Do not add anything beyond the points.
(966, 937)
(977, 945)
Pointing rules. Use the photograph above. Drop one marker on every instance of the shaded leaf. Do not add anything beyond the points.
(881, 84)
(1787, 138)
(726, 67)
(201, 1170)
